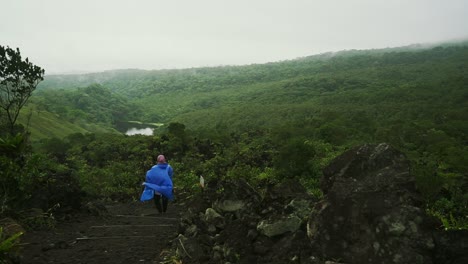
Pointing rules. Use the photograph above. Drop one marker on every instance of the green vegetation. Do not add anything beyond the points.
(44, 124)
(7, 245)
(263, 123)
(18, 79)
(94, 104)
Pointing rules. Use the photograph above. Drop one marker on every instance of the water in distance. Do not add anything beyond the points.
(139, 131)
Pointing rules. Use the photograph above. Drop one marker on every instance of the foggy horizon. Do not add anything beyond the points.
(424, 45)
(67, 37)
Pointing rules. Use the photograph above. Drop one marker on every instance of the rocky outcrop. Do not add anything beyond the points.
(370, 213)
(241, 226)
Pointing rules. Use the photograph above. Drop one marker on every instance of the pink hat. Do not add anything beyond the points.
(161, 159)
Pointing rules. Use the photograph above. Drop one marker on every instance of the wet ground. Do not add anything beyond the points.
(130, 233)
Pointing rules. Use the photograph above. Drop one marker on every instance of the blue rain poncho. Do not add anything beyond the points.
(158, 179)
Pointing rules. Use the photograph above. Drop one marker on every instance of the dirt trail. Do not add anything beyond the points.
(132, 233)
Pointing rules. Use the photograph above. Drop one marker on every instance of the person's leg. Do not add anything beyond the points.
(157, 202)
(164, 203)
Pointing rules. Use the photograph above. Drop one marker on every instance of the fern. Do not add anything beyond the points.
(7, 245)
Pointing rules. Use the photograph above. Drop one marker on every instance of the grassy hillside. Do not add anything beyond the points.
(43, 124)
(94, 108)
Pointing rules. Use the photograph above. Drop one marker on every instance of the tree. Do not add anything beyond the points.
(18, 79)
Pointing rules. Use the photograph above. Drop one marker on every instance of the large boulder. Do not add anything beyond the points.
(370, 212)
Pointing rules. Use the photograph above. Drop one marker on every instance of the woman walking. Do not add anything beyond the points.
(158, 184)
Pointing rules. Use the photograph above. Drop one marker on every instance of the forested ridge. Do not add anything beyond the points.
(318, 80)
(263, 123)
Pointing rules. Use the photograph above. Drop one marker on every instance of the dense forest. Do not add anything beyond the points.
(263, 123)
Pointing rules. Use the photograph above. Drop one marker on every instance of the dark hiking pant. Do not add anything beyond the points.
(157, 202)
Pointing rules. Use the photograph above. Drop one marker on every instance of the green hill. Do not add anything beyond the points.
(382, 83)
(43, 124)
(408, 96)
(412, 97)
(94, 108)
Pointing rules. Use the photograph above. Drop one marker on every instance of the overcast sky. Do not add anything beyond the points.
(96, 35)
